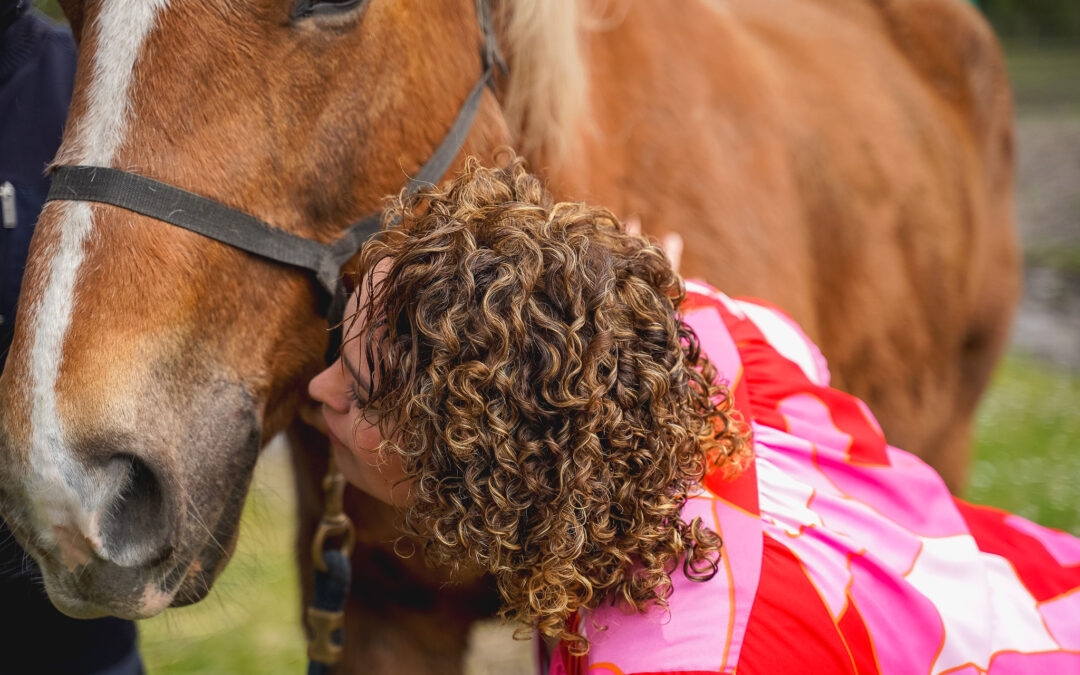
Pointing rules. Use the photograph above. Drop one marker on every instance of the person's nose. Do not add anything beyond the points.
(328, 388)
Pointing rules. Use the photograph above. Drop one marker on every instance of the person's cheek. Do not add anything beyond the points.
(353, 471)
(366, 437)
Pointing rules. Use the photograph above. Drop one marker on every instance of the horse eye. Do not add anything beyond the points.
(305, 8)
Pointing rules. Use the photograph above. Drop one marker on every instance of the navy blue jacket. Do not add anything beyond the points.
(37, 67)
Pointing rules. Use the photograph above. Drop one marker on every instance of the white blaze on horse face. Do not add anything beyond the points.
(120, 31)
(60, 489)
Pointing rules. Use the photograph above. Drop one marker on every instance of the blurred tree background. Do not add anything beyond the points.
(1039, 20)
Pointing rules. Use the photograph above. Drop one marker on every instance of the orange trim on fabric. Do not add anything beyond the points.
(609, 667)
(738, 508)
(803, 527)
(873, 645)
(824, 603)
(851, 437)
(731, 594)
(941, 647)
(971, 664)
(914, 560)
(1059, 596)
(849, 605)
(957, 669)
(844, 495)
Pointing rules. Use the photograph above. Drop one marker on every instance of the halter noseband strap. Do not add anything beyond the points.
(190, 211)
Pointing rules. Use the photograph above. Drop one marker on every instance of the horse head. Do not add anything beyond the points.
(150, 364)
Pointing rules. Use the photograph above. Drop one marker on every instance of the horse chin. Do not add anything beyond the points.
(81, 594)
(194, 588)
(75, 607)
(205, 568)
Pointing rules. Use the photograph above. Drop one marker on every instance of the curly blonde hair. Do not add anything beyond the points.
(550, 408)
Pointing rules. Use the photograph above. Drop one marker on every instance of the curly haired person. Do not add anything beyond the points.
(659, 477)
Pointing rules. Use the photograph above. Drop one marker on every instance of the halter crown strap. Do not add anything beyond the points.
(212, 219)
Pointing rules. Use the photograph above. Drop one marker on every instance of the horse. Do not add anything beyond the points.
(847, 160)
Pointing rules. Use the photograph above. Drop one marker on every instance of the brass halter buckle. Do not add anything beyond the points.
(323, 624)
(333, 525)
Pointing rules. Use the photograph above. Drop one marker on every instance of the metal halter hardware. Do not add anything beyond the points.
(335, 536)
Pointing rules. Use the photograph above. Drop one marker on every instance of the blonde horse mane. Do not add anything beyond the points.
(546, 96)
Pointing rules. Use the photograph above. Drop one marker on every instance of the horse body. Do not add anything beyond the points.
(848, 161)
(858, 158)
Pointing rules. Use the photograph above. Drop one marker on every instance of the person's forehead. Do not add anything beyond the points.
(352, 304)
(372, 278)
(356, 307)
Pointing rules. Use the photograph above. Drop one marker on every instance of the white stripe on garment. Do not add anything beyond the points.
(785, 339)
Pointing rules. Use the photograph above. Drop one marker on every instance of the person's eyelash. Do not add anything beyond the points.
(361, 401)
(355, 397)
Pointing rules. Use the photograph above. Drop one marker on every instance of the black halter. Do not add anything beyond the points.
(212, 219)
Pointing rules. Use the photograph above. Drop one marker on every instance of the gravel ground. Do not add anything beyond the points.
(1048, 217)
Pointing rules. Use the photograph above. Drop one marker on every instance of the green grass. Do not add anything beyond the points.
(1027, 444)
(51, 9)
(1063, 259)
(250, 622)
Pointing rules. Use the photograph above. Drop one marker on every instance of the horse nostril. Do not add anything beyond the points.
(134, 527)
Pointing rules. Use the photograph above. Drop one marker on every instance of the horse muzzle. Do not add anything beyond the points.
(104, 537)
(129, 524)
